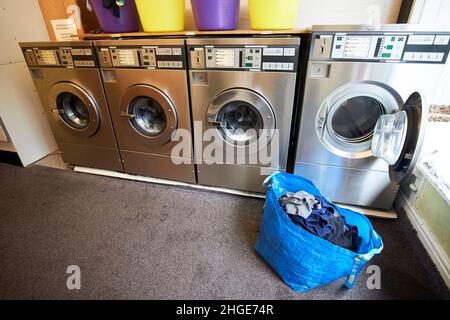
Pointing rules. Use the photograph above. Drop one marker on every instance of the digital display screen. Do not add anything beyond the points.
(224, 58)
(357, 47)
(126, 57)
(48, 57)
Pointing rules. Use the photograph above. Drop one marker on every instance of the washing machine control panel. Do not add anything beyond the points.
(70, 57)
(145, 57)
(245, 58)
(387, 47)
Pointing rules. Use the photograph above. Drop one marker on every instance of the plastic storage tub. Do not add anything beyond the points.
(216, 14)
(161, 15)
(272, 14)
(126, 21)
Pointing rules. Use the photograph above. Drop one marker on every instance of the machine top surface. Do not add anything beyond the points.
(261, 40)
(55, 44)
(139, 42)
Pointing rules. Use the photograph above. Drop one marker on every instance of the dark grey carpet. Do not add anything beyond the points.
(139, 240)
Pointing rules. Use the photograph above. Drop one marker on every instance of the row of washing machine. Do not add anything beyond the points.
(193, 110)
(348, 111)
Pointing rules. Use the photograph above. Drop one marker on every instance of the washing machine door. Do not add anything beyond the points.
(240, 115)
(398, 137)
(149, 113)
(74, 109)
(346, 120)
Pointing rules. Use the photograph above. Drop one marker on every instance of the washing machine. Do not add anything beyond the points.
(146, 87)
(242, 96)
(71, 92)
(364, 109)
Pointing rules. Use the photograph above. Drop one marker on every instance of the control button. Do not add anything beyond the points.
(416, 56)
(432, 56)
(170, 64)
(176, 51)
(424, 56)
(291, 66)
(290, 52)
(265, 65)
(408, 56)
(160, 64)
(441, 40)
(285, 66)
(164, 51)
(179, 64)
(440, 56)
(88, 52)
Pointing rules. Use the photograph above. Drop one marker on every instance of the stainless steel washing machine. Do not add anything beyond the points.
(364, 108)
(242, 95)
(146, 87)
(70, 89)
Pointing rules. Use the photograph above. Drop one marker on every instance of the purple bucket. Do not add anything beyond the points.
(215, 14)
(127, 21)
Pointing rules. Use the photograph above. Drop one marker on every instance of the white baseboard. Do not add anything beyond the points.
(427, 238)
(120, 175)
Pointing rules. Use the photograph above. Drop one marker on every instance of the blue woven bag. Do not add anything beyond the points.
(302, 259)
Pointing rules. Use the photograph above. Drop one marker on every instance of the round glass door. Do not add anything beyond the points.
(148, 114)
(72, 110)
(239, 115)
(149, 117)
(347, 118)
(355, 119)
(241, 121)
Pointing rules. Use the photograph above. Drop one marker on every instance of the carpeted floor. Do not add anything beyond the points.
(137, 240)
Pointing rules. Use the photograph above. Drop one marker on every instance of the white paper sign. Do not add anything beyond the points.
(65, 29)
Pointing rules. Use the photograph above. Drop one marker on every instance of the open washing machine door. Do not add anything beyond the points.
(150, 114)
(398, 137)
(74, 109)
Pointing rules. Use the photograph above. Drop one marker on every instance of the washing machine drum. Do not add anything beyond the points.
(149, 114)
(240, 115)
(74, 109)
(149, 117)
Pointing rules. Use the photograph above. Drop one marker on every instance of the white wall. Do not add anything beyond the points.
(20, 109)
(435, 12)
(312, 12)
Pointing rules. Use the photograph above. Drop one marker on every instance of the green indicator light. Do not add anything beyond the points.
(386, 55)
(249, 65)
(393, 39)
(389, 47)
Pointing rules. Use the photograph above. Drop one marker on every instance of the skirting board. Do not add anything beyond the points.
(390, 214)
(426, 237)
(115, 174)
(365, 211)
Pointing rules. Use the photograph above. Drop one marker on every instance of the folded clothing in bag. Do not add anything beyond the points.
(315, 215)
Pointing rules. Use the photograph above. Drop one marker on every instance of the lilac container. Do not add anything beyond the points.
(127, 22)
(215, 14)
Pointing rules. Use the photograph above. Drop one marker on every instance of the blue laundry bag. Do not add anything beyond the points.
(303, 260)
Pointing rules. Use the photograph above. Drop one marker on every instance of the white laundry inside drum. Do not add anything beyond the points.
(389, 136)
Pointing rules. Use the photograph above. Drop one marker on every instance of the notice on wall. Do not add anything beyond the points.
(65, 29)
